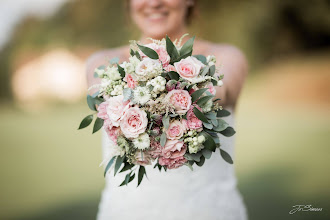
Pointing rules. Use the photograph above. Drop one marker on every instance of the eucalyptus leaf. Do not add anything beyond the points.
(226, 156)
(223, 113)
(95, 94)
(200, 115)
(228, 132)
(142, 171)
(201, 58)
(190, 166)
(98, 124)
(131, 52)
(127, 177)
(109, 165)
(212, 70)
(114, 60)
(118, 163)
(163, 139)
(190, 87)
(214, 82)
(166, 121)
(205, 70)
(215, 122)
(211, 115)
(209, 142)
(196, 156)
(90, 103)
(128, 93)
(222, 125)
(86, 121)
(206, 153)
(149, 52)
(197, 94)
(201, 162)
(207, 125)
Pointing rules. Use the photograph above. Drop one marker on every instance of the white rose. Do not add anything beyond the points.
(147, 69)
(112, 73)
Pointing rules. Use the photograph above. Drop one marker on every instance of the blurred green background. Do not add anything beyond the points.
(49, 170)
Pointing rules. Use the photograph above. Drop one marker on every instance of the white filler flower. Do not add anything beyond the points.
(141, 95)
(142, 142)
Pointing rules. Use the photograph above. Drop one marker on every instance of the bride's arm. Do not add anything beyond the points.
(233, 65)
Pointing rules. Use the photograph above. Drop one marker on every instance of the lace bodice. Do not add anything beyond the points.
(207, 192)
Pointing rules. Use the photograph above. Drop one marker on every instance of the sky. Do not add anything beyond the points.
(13, 11)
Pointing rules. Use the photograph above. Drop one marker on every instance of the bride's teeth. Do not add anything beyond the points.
(155, 16)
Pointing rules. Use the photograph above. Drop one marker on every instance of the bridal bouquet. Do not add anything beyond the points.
(158, 107)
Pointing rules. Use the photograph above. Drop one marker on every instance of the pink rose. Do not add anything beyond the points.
(102, 111)
(131, 83)
(192, 121)
(142, 158)
(170, 68)
(180, 99)
(113, 132)
(155, 149)
(211, 88)
(188, 68)
(176, 130)
(162, 53)
(116, 108)
(173, 154)
(134, 122)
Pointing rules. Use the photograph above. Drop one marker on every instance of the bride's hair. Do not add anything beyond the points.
(192, 10)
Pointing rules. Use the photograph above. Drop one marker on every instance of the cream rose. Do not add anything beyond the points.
(134, 122)
(180, 99)
(147, 69)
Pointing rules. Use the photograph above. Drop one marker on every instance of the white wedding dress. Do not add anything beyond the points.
(206, 193)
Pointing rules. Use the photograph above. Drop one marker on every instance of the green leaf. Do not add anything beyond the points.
(187, 47)
(127, 93)
(127, 177)
(98, 124)
(206, 153)
(226, 156)
(203, 100)
(190, 166)
(96, 94)
(98, 100)
(109, 165)
(215, 122)
(86, 121)
(127, 166)
(166, 121)
(201, 162)
(174, 75)
(207, 125)
(205, 70)
(209, 142)
(121, 70)
(149, 52)
(200, 115)
(214, 82)
(142, 171)
(190, 87)
(212, 70)
(211, 115)
(223, 113)
(196, 157)
(197, 94)
(131, 52)
(114, 60)
(222, 125)
(119, 161)
(163, 139)
(130, 180)
(228, 132)
(201, 58)
(90, 102)
(171, 50)
(137, 54)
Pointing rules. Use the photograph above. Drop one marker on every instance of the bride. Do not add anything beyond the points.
(209, 192)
